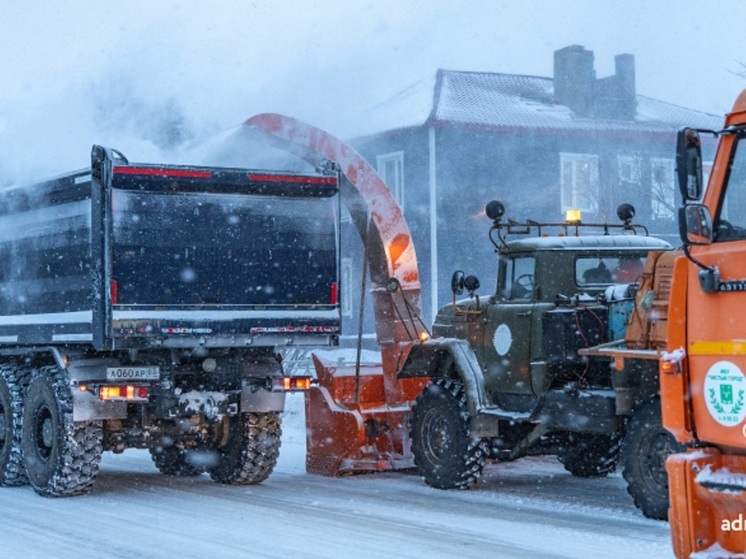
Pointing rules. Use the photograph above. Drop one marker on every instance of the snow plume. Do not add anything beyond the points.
(155, 79)
(238, 147)
(53, 134)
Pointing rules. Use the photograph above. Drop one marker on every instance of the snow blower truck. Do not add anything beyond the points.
(141, 306)
(703, 373)
(561, 359)
(357, 416)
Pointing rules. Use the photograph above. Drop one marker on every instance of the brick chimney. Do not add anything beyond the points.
(574, 79)
(576, 86)
(625, 76)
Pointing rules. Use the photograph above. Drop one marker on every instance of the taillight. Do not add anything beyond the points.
(123, 393)
(334, 295)
(291, 384)
(114, 292)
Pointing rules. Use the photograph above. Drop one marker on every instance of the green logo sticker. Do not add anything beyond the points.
(725, 391)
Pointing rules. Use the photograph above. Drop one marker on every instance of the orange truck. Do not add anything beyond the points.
(703, 372)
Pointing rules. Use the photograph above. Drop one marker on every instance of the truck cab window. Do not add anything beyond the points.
(517, 279)
(731, 221)
(594, 271)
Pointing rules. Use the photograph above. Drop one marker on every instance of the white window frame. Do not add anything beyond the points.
(629, 169)
(570, 197)
(391, 168)
(662, 196)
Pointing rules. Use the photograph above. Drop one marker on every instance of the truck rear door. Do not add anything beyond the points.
(222, 254)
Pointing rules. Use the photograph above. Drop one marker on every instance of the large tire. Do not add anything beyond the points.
(177, 462)
(251, 451)
(590, 455)
(645, 449)
(446, 454)
(62, 456)
(13, 384)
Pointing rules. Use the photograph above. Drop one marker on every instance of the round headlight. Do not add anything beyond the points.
(209, 365)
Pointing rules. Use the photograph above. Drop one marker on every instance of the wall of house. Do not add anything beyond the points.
(520, 168)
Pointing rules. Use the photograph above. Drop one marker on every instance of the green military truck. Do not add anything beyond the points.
(530, 368)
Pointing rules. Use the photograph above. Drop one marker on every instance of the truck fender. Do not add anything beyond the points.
(443, 357)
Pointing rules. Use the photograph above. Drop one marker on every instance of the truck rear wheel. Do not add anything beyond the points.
(175, 461)
(61, 455)
(646, 447)
(589, 455)
(445, 453)
(251, 451)
(12, 387)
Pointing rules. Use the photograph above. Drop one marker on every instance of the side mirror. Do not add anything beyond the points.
(457, 283)
(689, 163)
(695, 225)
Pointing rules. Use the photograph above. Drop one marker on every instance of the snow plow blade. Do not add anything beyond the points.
(349, 425)
(708, 494)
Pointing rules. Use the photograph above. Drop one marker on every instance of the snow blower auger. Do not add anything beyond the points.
(357, 417)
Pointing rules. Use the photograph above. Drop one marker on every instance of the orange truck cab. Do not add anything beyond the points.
(703, 373)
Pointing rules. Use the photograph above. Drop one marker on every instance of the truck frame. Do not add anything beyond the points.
(141, 306)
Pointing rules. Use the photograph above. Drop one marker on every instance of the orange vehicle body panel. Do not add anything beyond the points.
(648, 325)
(676, 411)
(703, 389)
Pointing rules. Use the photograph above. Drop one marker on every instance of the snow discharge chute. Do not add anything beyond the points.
(357, 416)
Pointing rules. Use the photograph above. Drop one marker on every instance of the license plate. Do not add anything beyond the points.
(133, 373)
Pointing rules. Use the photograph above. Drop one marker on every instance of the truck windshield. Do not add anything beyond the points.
(731, 222)
(222, 249)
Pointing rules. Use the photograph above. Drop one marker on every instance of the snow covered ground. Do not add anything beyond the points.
(526, 509)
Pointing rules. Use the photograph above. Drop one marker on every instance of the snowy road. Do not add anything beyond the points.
(527, 509)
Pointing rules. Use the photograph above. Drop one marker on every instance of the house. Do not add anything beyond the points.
(541, 145)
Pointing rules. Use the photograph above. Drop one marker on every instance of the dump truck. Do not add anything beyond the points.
(703, 384)
(142, 305)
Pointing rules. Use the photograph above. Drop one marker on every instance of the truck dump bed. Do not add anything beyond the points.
(133, 256)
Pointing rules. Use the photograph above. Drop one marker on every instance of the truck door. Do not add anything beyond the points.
(716, 329)
(506, 336)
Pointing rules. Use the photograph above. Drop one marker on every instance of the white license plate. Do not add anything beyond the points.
(133, 373)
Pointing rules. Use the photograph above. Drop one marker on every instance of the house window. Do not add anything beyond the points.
(629, 169)
(662, 188)
(346, 291)
(391, 169)
(579, 181)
